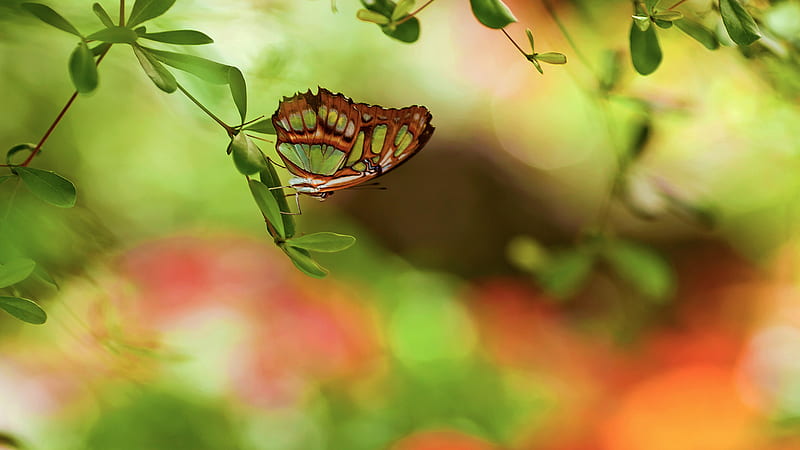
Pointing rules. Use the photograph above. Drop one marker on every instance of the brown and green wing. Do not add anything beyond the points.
(328, 136)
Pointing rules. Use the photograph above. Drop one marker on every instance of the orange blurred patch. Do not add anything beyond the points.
(694, 407)
(442, 440)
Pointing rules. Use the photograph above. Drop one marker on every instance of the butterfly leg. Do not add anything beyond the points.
(297, 202)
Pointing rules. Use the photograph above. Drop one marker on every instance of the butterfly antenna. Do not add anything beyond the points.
(277, 164)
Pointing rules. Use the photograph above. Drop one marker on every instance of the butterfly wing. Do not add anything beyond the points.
(333, 143)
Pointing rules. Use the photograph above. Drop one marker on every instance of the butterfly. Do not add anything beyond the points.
(329, 142)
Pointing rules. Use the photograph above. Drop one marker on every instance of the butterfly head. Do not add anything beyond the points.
(310, 187)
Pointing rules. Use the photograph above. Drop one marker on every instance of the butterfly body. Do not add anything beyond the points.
(329, 143)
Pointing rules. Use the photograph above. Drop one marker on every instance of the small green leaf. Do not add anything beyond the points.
(179, 37)
(23, 309)
(402, 9)
(262, 126)
(246, 155)
(205, 69)
(82, 69)
(16, 149)
(303, 261)
(115, 35)
(238, 90)
(662, 23)
(565, 271)
(144, 10)
(44, 276)
(552, 58)
(101, 13)
(669, 16)
(372, 17)
(492, 13)
(161, 77)
(644, 269)
(101, 48)
(532, 59)
(699, 33)
(645, 51)
(48, 186)
(642, 22)
(530, 39)
(323, 242)
(407, 31)
(15, 271)
(50, 17)
(269, 206)
(739, 23)
(270, 178)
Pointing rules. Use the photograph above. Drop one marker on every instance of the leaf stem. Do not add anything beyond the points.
(228, 129)
(122, 13)
(514, 42)
(60, 116)
(408, 17)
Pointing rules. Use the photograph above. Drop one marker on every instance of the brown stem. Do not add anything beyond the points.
(122, 13)
(514, 42)
(408, 17)
(676, 5)
(60, 116)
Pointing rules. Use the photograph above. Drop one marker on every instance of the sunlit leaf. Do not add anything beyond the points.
(48, 186)
(669, 16)
(323, 242)
(552, 58)
(662, 23)
(45, 276)
(407, 31)
(101, 48)
(643, 268)
(402, 9)
(270, 178)
(159, 74)
(372, 17)
(246, 155)
(529, 33)
(23, 309)
(262, 126)
(739, 23)
(303, 261)
(492, 13)
(144, 10)
(268, 205)
(642, 22)
(114, 34)
(699, 33)
(179, 37)
(101, 13)
(50, 17)
(82, 69)
(645, 50)
(565, 272)
(238, 90)
(205, 69)
(15, 271)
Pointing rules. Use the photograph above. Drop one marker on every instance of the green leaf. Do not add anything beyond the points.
(303, 261)
(82, 69)
(407, 31)
(162, 78)
(101, 48)
(16, 149)
(530, 39)
(144, 10)
(262, 126)
(699, 33)
(269, 206)
(402, 9)
(48, 186)
(642, 22)
(205, 69)
(645, 51)
(323, 242)
(740, 25)
(44, 276)
(238, 90)
(552, 58)
(270, 178)
(15, 271)
(23, 309)
(50, 17)
(651, 5)
(372, 17)
(115, 35)
(246, 155)
(662, 23)
(565, 271)
(492, 13)
(643, 268)
(532, 59)
(669, 16)
(179, 37)
(101, 13)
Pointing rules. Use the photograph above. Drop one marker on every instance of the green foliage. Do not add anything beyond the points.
(15, 271)
(270, 179)
(50, 17)
(246, 155)
(144, 10)
(739, 23)
(699, 33)
(264, 126)
(323, 242)
(565, 271)
(645, 50)
(205, 69)
(492, 13)
(23, 309)
(238, 90)
(269, 208)
(393, 22)
(641, 267)
(48, 186)
(101, 14)
(114, 35)
(82, 69)
(304, 262)
(160, 76)
(179, 37)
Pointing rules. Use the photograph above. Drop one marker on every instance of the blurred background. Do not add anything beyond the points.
(454, 322)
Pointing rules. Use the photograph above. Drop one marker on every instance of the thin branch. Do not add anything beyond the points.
(514, 42)
(60, 116)
(676, 5)
(227, 127)
(122, 13)
(408, 17)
